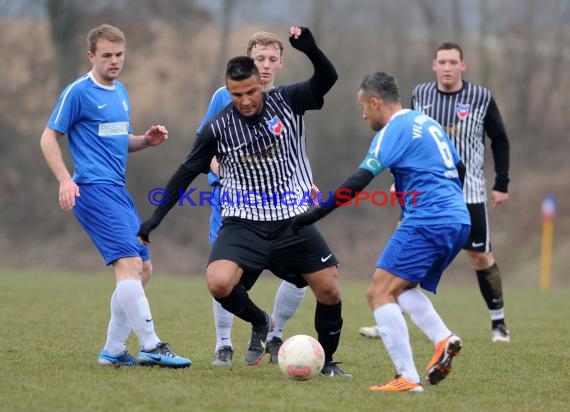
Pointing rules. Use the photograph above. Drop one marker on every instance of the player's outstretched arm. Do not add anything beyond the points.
(197, 161)
(325, 74)
(177, 184)
(344, 194)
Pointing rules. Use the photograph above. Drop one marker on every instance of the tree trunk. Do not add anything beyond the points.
(63, 18)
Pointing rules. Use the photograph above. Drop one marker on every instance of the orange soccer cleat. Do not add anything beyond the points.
(398, 384)
(440, 364)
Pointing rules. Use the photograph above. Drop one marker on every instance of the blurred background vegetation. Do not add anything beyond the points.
(176, 54)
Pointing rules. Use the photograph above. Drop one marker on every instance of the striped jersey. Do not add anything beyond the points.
(264, 168)
(467, 115)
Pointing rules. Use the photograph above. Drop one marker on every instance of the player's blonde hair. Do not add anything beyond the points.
(104, 31)
(264, 38)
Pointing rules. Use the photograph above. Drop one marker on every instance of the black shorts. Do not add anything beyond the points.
(479, 239)
(256, 246)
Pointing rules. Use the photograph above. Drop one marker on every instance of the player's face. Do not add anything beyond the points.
(247, 95)
(448, 68)
(369, 107)
(107, 61)
(268, 60)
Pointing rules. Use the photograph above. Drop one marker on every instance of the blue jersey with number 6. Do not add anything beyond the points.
(422, 160)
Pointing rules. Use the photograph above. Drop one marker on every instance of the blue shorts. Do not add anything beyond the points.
(108, 215)
(215, 214)
(420, 254)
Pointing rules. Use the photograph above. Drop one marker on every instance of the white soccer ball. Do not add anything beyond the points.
(301, 357)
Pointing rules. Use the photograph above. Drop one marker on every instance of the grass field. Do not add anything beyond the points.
(53, 327)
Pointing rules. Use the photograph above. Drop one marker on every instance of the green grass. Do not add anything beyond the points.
(53, 326)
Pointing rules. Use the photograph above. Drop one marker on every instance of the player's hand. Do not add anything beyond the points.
(144, 231)
(68, 191)
(498, 198)
(315, 195)
(301, 38)
(155, 135)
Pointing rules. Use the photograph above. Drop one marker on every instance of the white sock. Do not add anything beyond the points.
(415, 303)
(497, 314)
(119, 328)
(287, 300)
(394, 333)
(131, 298)
(223, 320)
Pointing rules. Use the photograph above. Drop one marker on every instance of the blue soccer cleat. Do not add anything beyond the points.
(122, 359)
(162, 356)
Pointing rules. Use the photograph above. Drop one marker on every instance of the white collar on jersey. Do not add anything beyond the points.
(90, 74)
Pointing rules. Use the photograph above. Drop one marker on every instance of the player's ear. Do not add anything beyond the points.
(375, 102)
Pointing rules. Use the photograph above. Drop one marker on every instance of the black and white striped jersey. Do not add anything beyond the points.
(264, 169)
(467, 115)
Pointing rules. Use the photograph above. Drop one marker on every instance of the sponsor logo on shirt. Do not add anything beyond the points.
(275, 125)
(462, 110)
(113, 129)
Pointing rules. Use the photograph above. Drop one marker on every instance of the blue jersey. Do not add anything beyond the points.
(220, 99)
(422, 160)
(96, 119)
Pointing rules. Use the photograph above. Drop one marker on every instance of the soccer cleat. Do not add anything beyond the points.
(369, 332)
(272, 347)
(332, 370)
(256, 346)
(122, 359)
(223, 356)
(440, 364)
(162, 356)
(501, 334)
(398, 384)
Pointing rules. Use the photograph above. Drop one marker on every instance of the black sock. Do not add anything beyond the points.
(328, 323)
(490, 285)
(496, 323)
(239, 303)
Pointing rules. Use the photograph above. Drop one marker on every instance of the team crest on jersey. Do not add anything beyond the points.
(462, 110)
(275, 125)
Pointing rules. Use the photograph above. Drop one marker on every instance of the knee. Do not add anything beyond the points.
(481, 260)
(329, 296)
(327, 291)
(377, 297)
(218, 287)
(370, 295)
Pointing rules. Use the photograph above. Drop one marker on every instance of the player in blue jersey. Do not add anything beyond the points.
(266, 49)
(94, 112)
(434, 227)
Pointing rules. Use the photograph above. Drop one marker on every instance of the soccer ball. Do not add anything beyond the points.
(301, 357)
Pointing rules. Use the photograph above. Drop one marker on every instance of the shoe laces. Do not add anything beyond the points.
(224, 354)
(126, 357)
(333, 366)
(256, 342)
(163, 349)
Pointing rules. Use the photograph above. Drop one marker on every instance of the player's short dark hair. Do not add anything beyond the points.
(382, 85)
(241, 68)
(449, 45)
